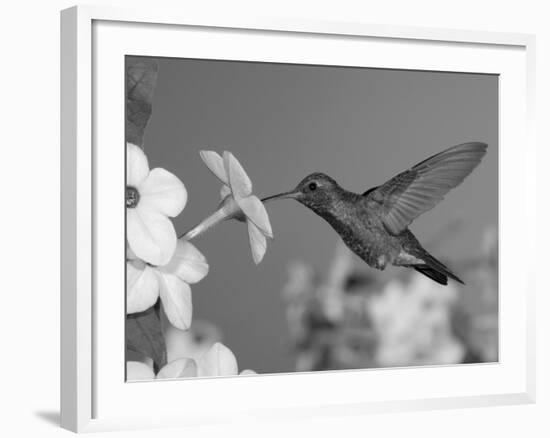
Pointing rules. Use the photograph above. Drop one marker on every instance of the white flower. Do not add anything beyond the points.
(217, 361)
(192, 343)
(145, 283)
(151, 198)
(178, 368)
(139, 371)
(238, 202)
(413, 324)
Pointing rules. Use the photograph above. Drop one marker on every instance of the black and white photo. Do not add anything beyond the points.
(389, 257)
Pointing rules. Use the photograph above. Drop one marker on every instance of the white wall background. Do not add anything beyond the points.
(29, 328)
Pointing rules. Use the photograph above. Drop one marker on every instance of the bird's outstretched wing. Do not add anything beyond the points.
(417, 190)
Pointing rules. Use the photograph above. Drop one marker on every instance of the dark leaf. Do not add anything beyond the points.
(144, 336)
(141, 78)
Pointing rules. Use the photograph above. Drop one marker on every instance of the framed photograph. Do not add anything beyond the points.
(319, 218)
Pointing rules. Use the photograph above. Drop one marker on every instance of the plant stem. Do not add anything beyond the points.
(207, 223)
(228, 209)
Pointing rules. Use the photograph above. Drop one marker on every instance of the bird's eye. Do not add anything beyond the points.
(312, 186)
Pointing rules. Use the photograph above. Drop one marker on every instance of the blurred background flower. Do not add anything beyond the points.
(355, 317)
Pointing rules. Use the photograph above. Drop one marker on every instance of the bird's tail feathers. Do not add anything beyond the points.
(435, 270)
(432, 273)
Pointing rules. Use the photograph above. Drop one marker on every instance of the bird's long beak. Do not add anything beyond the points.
(290, 194)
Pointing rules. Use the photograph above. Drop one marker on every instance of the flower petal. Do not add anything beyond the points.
(192, 343)
(179, 343)
(142, 287)
(254, 210)
(187, 263)
(214, 162)
(217, 361)
(175, 295)
(151, 236)
(178, 368)
(137, 166)
(162, 192)
(258, 244)
(224, 192)
(138, 371)
(239, 182)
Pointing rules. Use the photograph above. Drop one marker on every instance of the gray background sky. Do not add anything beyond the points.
(361, 126)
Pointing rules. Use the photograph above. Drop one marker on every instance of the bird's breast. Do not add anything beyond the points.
(364, 233)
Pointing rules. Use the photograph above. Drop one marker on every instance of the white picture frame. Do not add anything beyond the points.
(94, 396)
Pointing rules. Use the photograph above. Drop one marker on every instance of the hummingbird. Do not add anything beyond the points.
(375, 224)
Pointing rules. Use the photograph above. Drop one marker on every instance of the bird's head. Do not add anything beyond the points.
(315, 191)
